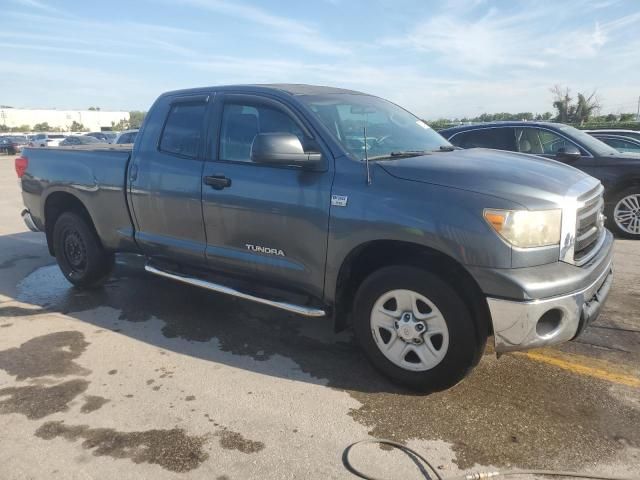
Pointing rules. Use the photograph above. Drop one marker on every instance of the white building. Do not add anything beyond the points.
(61, 120)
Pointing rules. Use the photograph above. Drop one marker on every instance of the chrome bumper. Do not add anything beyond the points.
(28, 221)
(536, 323)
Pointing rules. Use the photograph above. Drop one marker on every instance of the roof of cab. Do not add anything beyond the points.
(290, 88)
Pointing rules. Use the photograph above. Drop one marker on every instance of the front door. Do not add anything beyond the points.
(546, 143)
(266, 222)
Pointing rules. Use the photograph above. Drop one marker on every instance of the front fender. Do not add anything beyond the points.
(447, 220)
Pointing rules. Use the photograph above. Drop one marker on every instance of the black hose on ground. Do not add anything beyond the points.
(422, 462)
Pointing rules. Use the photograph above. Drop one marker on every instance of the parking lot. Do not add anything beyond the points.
(146, 378)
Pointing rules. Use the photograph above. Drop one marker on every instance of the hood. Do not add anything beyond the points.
(533, 182)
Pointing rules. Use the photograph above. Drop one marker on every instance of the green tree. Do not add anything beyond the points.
(77, 127)
(135, 118)
(120, 126)
(42, 127)
(569, 112)
(21, 128)
(627, 117)
(585, 108)
(4, 128)
(562, 103)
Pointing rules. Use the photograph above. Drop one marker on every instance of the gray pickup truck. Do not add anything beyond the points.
(329, 202)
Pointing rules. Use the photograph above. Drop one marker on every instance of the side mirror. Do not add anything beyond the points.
(570, 153)
(281, 149)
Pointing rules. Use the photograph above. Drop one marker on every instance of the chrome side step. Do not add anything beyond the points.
(299, 309)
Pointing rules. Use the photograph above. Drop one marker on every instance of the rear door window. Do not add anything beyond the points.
(501, 138)
(183, 129)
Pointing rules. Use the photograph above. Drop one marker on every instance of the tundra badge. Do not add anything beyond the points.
(267, 250)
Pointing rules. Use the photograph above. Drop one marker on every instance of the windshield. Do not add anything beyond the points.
(592, 144)
(390, 130)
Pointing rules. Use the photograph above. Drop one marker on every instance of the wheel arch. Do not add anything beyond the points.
(621, 185)
(56, 204)
(366, 258)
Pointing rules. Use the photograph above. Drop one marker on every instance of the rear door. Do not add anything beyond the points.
(270, 222)
(165, 181)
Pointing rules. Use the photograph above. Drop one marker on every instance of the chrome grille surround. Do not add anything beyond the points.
(583, 229)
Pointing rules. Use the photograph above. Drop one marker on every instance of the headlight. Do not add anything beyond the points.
(525, 228)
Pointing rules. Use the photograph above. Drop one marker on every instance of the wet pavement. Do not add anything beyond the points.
(146, 378)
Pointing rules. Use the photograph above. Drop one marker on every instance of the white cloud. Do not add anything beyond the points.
(578, 44)
(472, 44)
(285, 29)
(37, 5)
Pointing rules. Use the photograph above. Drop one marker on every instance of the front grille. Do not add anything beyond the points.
(589, 224)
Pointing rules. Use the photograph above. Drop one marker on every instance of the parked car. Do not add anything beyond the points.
(618, 172)
(128, 136)
(46, 140)
(616, 131)
(619, 142)
(106, 137)
(12, 144)
(260, 192)
(73, 140)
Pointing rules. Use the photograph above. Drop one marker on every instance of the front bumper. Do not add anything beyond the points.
(28, 221)
(520, 325)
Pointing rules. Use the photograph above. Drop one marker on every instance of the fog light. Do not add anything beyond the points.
(549, 322)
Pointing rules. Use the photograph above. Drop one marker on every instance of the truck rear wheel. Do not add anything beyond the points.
(79, 253)
(415, 328)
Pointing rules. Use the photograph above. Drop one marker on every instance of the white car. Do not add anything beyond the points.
(46, 140)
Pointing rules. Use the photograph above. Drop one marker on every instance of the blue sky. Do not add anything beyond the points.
(439, 59)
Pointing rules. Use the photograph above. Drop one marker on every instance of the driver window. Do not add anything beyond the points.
(528, 141)
(241, 122)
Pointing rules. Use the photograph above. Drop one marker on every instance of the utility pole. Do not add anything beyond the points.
(638, 112)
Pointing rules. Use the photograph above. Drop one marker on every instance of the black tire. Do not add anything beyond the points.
(80, 255)
(466, 341)
(610, 208)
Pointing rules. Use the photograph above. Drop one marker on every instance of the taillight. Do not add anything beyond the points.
(21, 165)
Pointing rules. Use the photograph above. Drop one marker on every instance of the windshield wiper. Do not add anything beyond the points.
(445, 148)
(400, 154)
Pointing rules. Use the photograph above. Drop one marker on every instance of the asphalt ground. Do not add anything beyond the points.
(146, 378)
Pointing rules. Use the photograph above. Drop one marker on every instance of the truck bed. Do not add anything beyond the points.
(96, 175)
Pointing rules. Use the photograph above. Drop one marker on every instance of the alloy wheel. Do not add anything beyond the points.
(627, 214)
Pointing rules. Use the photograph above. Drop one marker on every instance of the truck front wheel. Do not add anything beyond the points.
(79, 253)
(415, 328)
